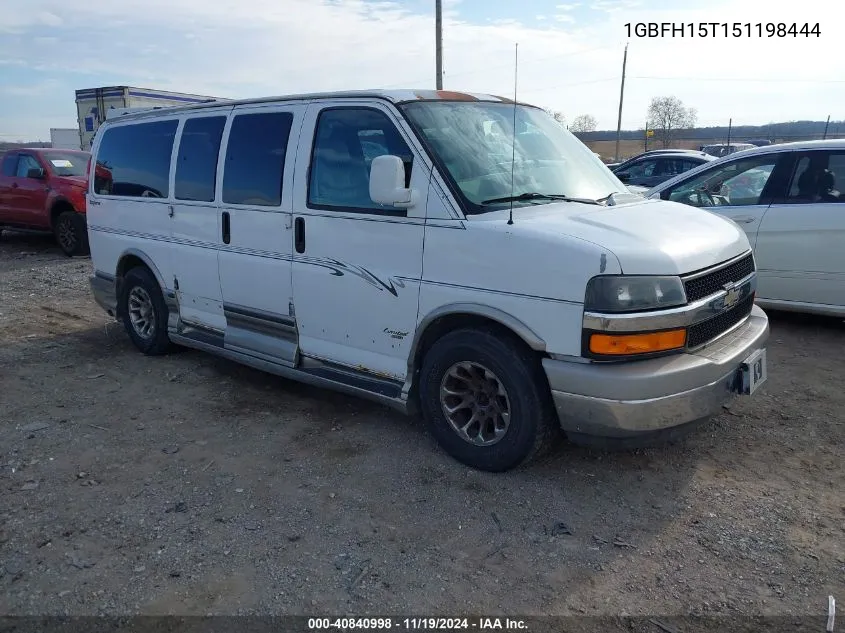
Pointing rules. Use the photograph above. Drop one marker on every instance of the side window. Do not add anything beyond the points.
(255, 158)
(10, 162)
(373, 143)
(346, 142)
(642, 169)
(738, 183)
(134, 160)
(196, 163)
(834, 184)
(25, 163)
(818, 177)
(673, 166)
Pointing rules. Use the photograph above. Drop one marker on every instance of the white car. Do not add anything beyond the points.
(419, 249)
(790, 200)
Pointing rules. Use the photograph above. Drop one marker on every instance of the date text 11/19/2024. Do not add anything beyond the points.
(416, 624)
(722, 29)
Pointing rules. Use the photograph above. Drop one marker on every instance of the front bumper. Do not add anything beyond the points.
(621, 400)
(105, 294)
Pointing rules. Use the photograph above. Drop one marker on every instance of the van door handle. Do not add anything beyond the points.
(227, 228)
(745, 219)
(299, 234)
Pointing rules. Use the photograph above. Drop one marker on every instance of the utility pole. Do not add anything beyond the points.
(621, 96)
(730, 124)
(645, 142)
(438, 27)
(825, 127)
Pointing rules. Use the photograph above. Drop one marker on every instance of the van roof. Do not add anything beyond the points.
(394, 96)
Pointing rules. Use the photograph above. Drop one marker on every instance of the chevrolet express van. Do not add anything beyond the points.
(456, 255)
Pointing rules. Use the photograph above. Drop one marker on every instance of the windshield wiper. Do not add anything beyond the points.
(540, 196)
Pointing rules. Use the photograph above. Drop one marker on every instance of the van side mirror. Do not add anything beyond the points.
(37, 173)
(387, 182)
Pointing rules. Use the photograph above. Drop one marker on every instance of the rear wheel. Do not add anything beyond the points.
(144, 312)
(71, 233)
(485, 399)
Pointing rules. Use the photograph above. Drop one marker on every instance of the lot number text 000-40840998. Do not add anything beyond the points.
(721, 29)
(415, 623)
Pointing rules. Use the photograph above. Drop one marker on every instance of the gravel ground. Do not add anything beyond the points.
(190, 485)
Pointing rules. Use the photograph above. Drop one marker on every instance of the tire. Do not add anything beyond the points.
(144, 313)
(71, 233)
(457, 362)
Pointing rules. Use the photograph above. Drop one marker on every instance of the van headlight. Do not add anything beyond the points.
(621, 293)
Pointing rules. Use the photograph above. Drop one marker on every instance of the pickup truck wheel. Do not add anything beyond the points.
(144, 312)
(71, 233)
(485, 399)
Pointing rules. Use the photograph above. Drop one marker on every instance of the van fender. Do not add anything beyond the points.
(170, 298)
(134, 252)
(529, 336)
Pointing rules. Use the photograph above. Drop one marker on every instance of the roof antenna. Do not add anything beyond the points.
(513, 140)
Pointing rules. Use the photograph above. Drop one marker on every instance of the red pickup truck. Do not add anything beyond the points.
(44, 190)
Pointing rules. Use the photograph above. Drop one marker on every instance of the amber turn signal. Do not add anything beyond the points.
(627, 344)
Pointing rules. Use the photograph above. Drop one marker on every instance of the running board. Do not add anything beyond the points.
(348, 376)
(386, 392)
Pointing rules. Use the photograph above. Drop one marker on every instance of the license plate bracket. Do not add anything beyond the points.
(753, 372)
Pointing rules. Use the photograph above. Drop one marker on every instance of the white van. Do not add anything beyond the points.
(453, 254)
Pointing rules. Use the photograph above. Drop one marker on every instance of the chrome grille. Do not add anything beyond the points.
(705, 331)
(711, 283)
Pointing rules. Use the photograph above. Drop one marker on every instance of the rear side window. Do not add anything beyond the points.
(818, 177)
(196, 164)
(136, 159)
(10, 161)
(255, 159)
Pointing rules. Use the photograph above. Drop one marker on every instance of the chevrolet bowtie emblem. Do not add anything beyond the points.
(732, 297)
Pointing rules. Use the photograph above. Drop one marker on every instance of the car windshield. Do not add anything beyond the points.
(67, 163)
(474, 142)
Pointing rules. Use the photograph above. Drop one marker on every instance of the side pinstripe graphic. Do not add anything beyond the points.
(334, 266)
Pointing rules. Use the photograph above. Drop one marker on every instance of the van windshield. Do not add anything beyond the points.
(473, 142)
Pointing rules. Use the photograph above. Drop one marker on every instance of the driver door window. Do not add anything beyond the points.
(739, 183)
(25, 163)
(346, 142)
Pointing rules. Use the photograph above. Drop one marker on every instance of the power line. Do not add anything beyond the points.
(820, 81)
(567, 85)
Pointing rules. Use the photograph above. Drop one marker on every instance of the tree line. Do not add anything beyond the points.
(670, 119)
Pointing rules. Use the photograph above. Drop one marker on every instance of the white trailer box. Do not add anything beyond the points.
(64, 138)
(93, 105)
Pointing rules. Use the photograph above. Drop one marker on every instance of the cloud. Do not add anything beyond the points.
(30, 90)
(229, 48)
(17, 19)
(615, 6)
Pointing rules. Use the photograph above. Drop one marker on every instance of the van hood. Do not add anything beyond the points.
(648, 237)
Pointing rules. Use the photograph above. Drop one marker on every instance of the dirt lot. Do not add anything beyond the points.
(192, 485)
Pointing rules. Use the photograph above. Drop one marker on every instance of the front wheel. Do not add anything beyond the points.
(485, 399)
(71, 233)
(144, 312)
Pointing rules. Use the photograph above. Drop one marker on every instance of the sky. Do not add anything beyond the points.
(570, 54)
